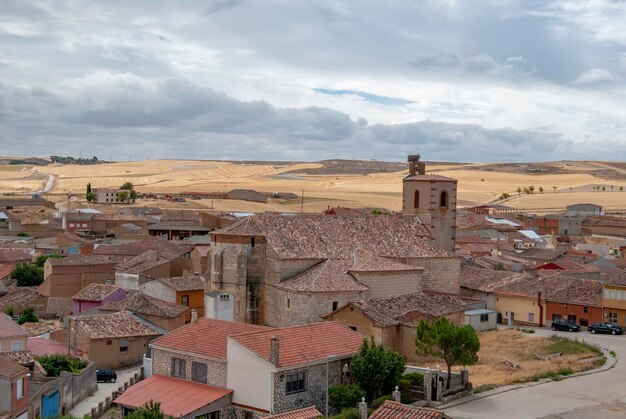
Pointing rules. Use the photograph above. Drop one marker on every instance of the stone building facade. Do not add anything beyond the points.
(201, 369)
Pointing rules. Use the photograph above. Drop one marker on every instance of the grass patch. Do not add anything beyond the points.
(554, 375)
(484, 387)
(10, 168)
(612, 352)
(597, 363)
(569, 347)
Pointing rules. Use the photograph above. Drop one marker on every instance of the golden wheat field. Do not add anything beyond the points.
(562, 183)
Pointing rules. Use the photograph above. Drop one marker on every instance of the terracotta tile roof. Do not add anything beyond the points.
(145, 261)
(14, 255)
(40, 346)
(323, 237)
(307, 413)
(557, 288)
(407, 308)
(138, 247)
(542, 254)
(205, 337)
(367, 261)
(329, 275)
(116, 325)
(568, 265)
(74, 238)
(19, 297)
(81, 259)
(95, 292)
(395, 410)
(24, 358)
(117, 217)
(11, 369)
(429, 178)
(5, 270)
(487, 280)
(307, 344)
(184, 283)
(8, 328)
(178, 397)
(146, 305)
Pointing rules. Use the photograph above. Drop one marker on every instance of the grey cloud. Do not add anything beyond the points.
(481, 64)
(215, 6)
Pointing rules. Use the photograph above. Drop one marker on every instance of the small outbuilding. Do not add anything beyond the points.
(481, 319)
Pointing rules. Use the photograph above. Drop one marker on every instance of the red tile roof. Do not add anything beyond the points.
(307, 344)
(14, 255)
(10, 369)
(184, 283)
(8, 328)
(327, 276)
(5, 270)
(117, 325)
(395, 410)
(145, 305)
(205, 337)
(307, 413)
(178, 397)
(95, 292)
(136, 248)
(40, 346)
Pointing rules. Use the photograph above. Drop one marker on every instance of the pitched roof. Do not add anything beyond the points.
(205, 337)
(322, 237)
(81, 259)
(95, 292)
(178, 397)
(184, 283)
(391, 311)
(5, 270)
(306, 413)
(136, 248)
(10, 368)
(117, 217)
(40, 346)
(542, 254)
(329, 275)
(298, 345)
(367, 261)
(14, 255)
(145, 261)
(145, 305)
(557, 288)
(19, 297)
(116, 325)
(429, 177)
(568, 265)
(487, 280)
(395, 410)
(8, 328)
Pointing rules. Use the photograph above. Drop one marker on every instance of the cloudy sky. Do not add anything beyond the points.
(306, 80)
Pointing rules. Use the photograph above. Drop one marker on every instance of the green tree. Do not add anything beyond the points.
(603, 188)
(27, 275)
(150, 410)
(133, 195)
(128, 186)
(28, 316)
(41, 259)
(344, 396)
(122, 196)
(55, 364)
(499, 267)
(519, 191)
(457, 345)
(375, 369)
(90, 196)
(541, 189)
(9, 311)
(531, 188)
(89, 188)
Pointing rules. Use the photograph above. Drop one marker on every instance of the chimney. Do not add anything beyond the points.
(274, 350)
(194, 315)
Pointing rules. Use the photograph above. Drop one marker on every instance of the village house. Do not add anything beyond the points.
(614, 302)
(111, 341)
(14, 383)
(12, 336)
(395, 410)
(64, 277)
(14, 257)
(95, 295)
(583, 210)
(111, 196)
(186, 290)
(392, 321)
(289, 270)
(78, 221)
(481, 284)
(106, 223)
(21, 298)
(129, 231)
(168, 316)
(134, 273)
(610, 226)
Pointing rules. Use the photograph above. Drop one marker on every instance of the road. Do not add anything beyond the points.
(599, 395)
(104, 390)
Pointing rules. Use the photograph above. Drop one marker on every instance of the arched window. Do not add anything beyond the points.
(416, 200)
(443, 202)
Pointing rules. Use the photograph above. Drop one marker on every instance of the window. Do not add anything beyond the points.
(416, 199)
(443, 201)
(19, 387)
(184, 300)
(484, 318)
(252, 242)
(586, 309)
(288, 302)
(109, 342)
(296, 382)
(335, 305)
(198, 372)
(178, 367)
(531, 317)
(123, 345)
(71, 224)
(17, 346)
(353, 328)
(613, 317)
(571, 318)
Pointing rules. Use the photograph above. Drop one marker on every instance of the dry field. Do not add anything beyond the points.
(478, 183)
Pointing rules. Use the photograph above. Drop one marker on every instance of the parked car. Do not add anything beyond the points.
(605, 328)
(108, 376)
(565, 325)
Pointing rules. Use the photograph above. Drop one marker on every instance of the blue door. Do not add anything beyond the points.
(50, 406)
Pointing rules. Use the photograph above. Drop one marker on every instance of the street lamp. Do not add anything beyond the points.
(328, 359)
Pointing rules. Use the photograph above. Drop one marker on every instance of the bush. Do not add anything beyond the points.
(55, 364)
(22, 234)
(484, 387)
(9, 311)
(379, 401)
(348, 414)
(41, 259)
(344, 396)
(27, 275)
(28, 316)
(404, 386)
(415, 378)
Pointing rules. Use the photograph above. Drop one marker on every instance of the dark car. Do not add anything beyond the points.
(605, 328)
(565, 325)
(108, 376)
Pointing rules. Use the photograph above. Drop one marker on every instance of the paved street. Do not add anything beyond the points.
(600, 395)
(104, 390)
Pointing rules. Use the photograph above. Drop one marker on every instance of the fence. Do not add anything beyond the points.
(104, 405)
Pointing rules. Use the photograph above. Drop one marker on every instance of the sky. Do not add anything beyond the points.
(471, 81)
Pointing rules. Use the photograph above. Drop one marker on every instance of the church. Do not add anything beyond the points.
(286, 270)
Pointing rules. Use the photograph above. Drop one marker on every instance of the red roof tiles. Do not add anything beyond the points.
(307, 413)
(178, 397)
(395, 410)
(95, 292)
(205, 337)
(306, 344)
(8, 328)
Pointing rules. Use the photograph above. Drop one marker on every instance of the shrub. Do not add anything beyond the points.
(344, 396)
(22, 234)
(27, 275)
(379, 401)
(404, 386)
(41, 259)
(484, 387)
(9, 311)
(415, 378)
(28, 316)
(55, 364)
(348, 414)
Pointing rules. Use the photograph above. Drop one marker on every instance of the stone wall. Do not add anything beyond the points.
(162, 365)
(442, 274)
(384, 284)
